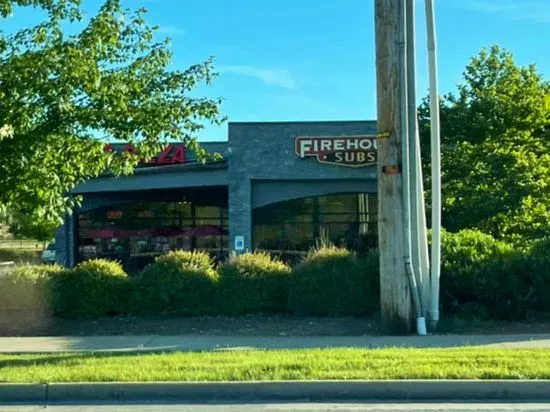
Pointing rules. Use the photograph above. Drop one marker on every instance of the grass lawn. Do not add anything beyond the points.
(460, 363)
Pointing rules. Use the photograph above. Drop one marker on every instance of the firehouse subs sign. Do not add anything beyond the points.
(350, 151)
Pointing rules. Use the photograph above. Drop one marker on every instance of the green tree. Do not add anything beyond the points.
(495, 149)
(59, 92)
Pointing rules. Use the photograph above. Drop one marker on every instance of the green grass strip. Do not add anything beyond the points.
(347, 364)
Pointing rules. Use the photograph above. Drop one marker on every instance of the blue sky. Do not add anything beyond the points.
(294, 60)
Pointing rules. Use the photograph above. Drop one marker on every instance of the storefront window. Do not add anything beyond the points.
(268, 236)
(346, 219)
(135, 233)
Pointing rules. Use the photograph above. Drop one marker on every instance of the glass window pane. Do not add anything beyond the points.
(184, 210)
(298, 236)
(286, 211)
(135, 231)
(340, 233)
(340, 203)
(346, 217)
(209, 212)
(211, 243)
(300, 206)
(338, 218)
(268, 237)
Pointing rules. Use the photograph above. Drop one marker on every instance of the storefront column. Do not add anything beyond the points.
(240, 215)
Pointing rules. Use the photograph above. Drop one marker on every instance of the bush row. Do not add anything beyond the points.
(328, 282)
(480, 277)
(486, 278)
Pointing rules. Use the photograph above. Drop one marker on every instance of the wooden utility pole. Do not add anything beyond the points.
(397, 311)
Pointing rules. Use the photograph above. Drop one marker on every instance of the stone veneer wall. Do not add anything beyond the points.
(266, 151)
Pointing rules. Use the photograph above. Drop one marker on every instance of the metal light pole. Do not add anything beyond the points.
(408, 126)
(436, 165)
(420, 258)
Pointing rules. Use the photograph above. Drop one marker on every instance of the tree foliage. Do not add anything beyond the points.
(496, 149)
(59, 92)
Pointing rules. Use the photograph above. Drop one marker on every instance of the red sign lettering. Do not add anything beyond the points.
(351, 151)
(172, 154)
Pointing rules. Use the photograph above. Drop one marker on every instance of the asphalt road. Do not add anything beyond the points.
(285, 407)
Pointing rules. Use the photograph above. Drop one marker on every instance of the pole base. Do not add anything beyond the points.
(421, 326)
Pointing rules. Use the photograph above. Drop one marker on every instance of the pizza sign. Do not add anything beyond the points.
(171, 154)
(350, 151)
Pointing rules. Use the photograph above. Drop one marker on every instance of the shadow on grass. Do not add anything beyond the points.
(23, 361)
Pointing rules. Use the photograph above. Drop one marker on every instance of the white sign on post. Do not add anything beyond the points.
(239, 243)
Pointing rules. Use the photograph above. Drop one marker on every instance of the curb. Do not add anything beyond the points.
(16, 392)
(533, 390)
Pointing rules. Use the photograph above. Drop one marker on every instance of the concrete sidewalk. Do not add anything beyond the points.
(205, 342)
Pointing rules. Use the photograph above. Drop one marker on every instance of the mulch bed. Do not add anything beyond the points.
(252, 325)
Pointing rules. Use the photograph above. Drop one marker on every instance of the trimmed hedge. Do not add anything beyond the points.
(333, 281)
(93, 288)
(481, 277)
(25, 298)
(253, 283)
(463, 255)
(180, 282)
(26, 288)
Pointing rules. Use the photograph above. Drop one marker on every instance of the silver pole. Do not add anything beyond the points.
(436, 164)
(422, 231)
(418, 220)
(406, 175)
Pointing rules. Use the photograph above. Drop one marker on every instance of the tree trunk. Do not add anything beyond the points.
(397, 311)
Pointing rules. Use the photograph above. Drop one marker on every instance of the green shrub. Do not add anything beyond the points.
(253, 283)
(463, 256)
(468, 247)
(26, 287)
(540, 248)
(93, 288)
(25, 298)
(487, 278)
(505, 286)
(180, 282)
(332, 281)
(539, 266)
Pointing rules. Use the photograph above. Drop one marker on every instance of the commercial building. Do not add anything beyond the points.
(278, 187)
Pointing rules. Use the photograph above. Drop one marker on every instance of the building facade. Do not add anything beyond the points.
(278, 187)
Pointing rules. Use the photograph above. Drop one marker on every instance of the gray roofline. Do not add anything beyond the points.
(221, 164)
(218, 164)
(213, 170)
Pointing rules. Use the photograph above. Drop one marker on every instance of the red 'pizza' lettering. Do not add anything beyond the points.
(163, 158)
(129, 148)
(179, 156)
(171, 154)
